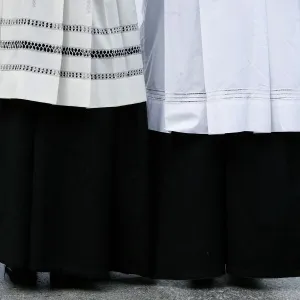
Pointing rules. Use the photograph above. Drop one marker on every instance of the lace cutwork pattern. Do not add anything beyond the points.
(68, 74)
(68, 28)
(69, 51)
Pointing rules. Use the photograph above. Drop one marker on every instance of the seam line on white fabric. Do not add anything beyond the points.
(202, 100)
(234, 91)
(204, 93)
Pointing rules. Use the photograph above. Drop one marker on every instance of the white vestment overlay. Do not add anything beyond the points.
(83, 53)
(222, 66)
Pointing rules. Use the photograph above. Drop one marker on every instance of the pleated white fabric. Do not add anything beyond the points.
(222, 66)
(82, 53)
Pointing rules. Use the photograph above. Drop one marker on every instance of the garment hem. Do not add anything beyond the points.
(223, 116)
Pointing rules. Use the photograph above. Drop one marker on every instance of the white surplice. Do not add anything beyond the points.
(222, 66)
(82, 53)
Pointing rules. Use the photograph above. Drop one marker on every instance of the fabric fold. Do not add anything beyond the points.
(215, 67)
(86, 57)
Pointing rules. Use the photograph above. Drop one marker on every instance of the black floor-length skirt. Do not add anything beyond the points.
(227, 203)
(75, 196)
(73, 188)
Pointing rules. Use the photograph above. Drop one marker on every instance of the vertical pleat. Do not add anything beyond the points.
(124, 19)
(284, 38)
(52, 11)
(284, 41)
(104, 16)
(7, 11)
(185, 57)
(153, 45)
(1, 16)
(89, 11)
(68, 88)
(236, 64)
(61, 65)
(130, 62)
(140, 9)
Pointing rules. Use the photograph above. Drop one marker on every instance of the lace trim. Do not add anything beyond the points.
(68, 28)
(70, 51)
(69, 74)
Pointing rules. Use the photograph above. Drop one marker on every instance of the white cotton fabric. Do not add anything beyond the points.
(83, 53)
(222, 66)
